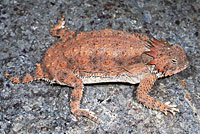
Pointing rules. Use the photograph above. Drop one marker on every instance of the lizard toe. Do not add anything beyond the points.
(78, 113)
(170, 108)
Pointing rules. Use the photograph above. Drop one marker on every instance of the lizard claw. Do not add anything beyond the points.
(85, 112)
(170, 108)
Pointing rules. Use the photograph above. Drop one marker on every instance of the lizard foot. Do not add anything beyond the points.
(85, 112)
(170, 108)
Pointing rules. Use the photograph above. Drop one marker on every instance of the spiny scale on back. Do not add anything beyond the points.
(107, 56)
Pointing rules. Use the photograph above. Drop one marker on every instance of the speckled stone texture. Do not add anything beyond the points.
(39, 107)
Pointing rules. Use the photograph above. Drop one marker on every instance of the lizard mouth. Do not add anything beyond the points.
(169, 73)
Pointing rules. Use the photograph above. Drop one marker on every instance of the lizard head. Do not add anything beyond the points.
(168, 59)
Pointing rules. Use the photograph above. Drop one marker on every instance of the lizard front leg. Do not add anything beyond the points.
(66, 77)
(142, 95)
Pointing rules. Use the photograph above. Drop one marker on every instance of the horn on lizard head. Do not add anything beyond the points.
(158, 48)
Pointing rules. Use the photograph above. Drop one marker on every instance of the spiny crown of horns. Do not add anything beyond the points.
(158, 49)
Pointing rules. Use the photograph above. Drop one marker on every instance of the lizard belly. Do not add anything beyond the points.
(120, 78)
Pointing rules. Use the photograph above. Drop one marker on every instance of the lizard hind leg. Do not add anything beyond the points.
(66, 77)
(59, 30)
(59, 25)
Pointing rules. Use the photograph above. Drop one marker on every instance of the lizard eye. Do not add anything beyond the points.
(173, 61)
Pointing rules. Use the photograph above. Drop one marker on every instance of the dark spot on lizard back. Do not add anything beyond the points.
(70, 60)
(93, 60)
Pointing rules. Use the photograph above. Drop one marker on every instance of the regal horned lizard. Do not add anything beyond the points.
(107, 55)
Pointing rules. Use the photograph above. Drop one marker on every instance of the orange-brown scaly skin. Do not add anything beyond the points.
(107, 56)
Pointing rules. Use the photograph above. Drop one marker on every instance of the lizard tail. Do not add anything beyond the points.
(27, 77)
